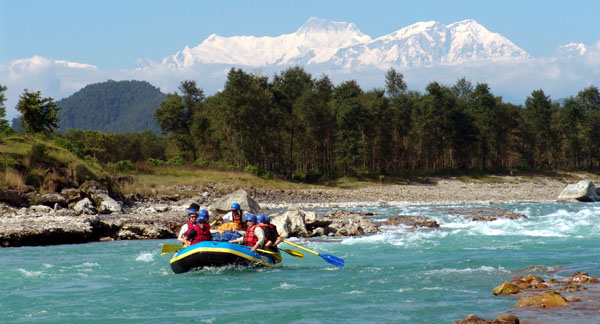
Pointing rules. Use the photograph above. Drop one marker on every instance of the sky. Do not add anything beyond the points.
(114, 35)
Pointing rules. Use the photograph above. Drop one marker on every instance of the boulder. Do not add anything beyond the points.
(502, 319)
(545, 299)
(41, 209)
(71, 195)
(506, 288)
(107, 205)
(581, 191)
(12, 197)
(85, 206)
(223, 205)
(290, 223)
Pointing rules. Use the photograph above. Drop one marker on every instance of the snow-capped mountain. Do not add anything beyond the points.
(320, 41)
(316, 41)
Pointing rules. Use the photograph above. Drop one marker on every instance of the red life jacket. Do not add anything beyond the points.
(250, 238)
(190, 225)
(202, 233)
(270, 232)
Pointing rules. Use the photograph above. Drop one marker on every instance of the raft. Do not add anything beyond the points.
(219, 253)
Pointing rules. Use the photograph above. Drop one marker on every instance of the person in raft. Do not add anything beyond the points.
(254, 236)
(192, 214)
(234, 220)
(200, 231)
(272, 238)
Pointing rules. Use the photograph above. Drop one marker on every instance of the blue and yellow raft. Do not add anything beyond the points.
(219, 253)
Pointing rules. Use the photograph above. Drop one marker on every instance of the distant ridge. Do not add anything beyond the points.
(112, 106)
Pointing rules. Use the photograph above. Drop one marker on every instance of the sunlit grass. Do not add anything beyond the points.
(12, 179)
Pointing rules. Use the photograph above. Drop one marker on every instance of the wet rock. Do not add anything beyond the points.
(506, 288)
(411, 221)
(544, 300)
(484, 213)
(290, 223)
(503, 319)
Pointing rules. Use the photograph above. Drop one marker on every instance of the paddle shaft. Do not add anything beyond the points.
(301, 247)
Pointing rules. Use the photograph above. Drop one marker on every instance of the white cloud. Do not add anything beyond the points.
(559, 76)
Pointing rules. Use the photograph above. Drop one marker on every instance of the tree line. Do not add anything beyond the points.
(306, 128)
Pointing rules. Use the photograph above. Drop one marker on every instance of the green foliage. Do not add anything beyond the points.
(155, 162)
(176, 161)
(111, 106)
(38, 115)
(251, 169)
(125, 166)
(4, 126)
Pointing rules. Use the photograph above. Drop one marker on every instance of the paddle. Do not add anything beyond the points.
(293, 253)
(168, 248)
(338, 262)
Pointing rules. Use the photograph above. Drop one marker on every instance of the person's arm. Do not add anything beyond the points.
(260, 234)
(184, 229)
(190, 237)
(238, 240)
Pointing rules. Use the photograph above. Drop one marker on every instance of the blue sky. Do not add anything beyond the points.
(114, 34)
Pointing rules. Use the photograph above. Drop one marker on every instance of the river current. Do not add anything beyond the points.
(396, 276)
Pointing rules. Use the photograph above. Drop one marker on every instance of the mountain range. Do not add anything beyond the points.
(340, 44)
(423, 52)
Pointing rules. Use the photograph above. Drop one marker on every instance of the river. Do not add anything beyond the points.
(396, 276)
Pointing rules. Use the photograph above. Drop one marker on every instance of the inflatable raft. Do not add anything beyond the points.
(218, 253)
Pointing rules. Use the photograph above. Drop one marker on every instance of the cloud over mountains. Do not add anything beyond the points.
(423, 52)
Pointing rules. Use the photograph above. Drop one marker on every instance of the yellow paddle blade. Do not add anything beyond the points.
(169, 248)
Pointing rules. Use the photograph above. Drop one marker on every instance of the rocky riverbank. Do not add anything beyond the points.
(90, 213)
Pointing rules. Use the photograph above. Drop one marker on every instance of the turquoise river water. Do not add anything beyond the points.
(396, 276)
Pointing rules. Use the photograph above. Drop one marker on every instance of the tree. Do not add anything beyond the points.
(394, 83)
(175, 116)
(3, 122)
(38, 115)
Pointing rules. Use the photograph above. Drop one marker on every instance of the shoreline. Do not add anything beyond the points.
(443, 192)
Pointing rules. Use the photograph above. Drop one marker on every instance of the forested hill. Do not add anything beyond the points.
(112, 106)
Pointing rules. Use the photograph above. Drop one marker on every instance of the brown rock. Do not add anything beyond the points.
(413, 221)
(506, 288)
(546, 299)
(506, 319)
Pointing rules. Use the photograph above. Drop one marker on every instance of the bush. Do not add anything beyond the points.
(203, 164)
(155, 162)
(64, 143)
(38, 152)
(251, 169)
(176, 161)
(124, 166)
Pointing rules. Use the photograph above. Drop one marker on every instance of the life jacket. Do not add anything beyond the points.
(237, 219)
(190, 226)
(202, 233)
(250, 238)
(270, 232)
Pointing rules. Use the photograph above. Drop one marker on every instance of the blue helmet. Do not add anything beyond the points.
(202, 216)
(260, 218)
(251, 218)
(191, 211)
(267, 219)
(235, 206)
